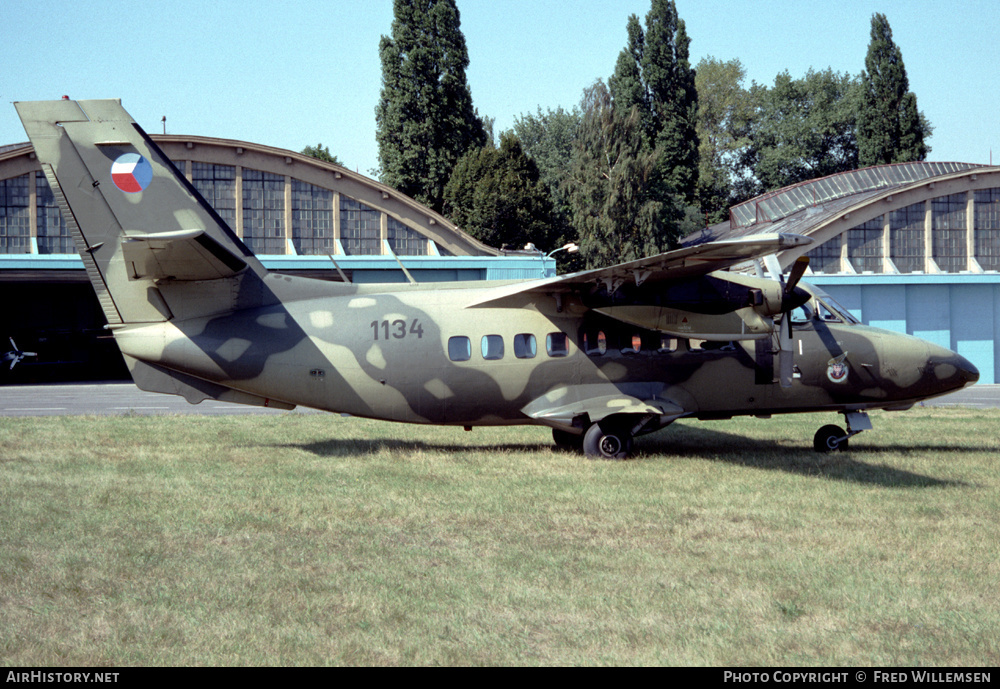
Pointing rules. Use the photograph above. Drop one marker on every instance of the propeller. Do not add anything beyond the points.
(16, 355)
(792, 297)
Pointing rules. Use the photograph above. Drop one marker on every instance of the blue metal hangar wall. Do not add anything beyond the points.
(292, 210)
(912, 247)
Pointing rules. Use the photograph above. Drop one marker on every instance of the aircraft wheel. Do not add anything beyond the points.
(564, 440)
(830, 438)
(614, 443)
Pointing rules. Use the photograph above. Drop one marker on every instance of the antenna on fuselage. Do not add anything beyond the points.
(343, 275)
(405, 271)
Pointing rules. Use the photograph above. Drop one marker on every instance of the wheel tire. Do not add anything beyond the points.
(565, 440)
(830, 438)
(612, 443)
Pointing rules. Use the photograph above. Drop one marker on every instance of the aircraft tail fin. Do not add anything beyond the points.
(141, 228)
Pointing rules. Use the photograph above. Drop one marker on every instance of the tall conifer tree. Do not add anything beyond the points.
(425, 118)
(654, 74)
(609, 185)
(890, 128)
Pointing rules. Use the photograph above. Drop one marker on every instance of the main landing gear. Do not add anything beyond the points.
(611, 439)
(608, 441)
(830, 437)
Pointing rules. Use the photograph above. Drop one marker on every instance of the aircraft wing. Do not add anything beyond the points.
(672, 266)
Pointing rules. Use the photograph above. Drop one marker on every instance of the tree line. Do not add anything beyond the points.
(649, 155)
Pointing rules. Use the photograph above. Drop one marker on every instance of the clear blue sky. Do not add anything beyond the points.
(291, 74)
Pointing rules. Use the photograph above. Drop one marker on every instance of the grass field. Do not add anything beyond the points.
(315, 539)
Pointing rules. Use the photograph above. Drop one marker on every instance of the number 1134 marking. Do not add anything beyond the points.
(396, 329)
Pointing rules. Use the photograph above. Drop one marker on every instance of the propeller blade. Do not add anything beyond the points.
(774, 268)
(786, 357)
(16, 355)
(798, 270)
(791, 299)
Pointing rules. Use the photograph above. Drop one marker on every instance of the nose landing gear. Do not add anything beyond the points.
(830, 437)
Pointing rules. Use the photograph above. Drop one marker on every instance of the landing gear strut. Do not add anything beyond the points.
(830, 437)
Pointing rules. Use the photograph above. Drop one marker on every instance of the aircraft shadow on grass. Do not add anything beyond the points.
(688, 441)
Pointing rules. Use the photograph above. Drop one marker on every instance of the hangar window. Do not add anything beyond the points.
(864, 246)
(312, 219)
(826, 257)
(53, 235)
(557, 344)
(949, 232)
(906, 238)
(404, 241)
(15, 218)
(459, 348)
(524, 346)
(217, 183)
(263, 212)
(492, 347)
(360, 228)
(987, 228)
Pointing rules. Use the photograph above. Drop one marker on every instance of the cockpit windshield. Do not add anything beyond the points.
(830, 310)
(802, 314)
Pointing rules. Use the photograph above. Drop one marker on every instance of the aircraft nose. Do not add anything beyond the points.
(952, 368)
(966, 370)
(917, 369)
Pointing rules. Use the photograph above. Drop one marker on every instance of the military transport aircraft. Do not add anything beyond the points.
(600, 356)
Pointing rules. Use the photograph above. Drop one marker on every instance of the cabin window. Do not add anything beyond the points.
(459, 348)
(667, 344)
(492, 347)
(595, 344)
(525, 346)
(631, 344)
(557, 344)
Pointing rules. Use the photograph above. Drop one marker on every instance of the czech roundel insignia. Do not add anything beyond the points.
(131, 173)
(836, 369)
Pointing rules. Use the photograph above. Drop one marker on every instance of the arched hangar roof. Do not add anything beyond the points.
(393, 213)
(826, 208)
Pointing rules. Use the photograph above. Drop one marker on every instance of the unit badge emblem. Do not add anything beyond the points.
(836, 369)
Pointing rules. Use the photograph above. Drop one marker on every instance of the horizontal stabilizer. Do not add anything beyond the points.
(183, 255)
